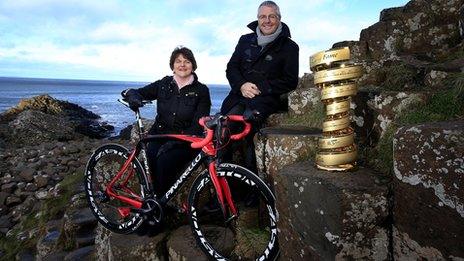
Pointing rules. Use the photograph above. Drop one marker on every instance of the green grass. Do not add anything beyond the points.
(398, 77)
(312, 119)
(442, 106)
(381, 157)
(50, 209)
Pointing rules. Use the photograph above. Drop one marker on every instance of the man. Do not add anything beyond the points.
(263, 66)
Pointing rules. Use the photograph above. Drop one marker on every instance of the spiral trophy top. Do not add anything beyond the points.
(336, 76)
(322, 59)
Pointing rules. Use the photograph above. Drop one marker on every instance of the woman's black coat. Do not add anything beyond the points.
(274, 70)
(177, 111)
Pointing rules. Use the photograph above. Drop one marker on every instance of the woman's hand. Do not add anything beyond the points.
(133, 98)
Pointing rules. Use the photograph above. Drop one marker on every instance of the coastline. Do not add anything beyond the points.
(97, 96)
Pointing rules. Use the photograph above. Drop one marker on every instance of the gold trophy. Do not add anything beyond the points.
(336, 76)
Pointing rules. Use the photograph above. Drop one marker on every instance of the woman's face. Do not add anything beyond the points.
(182, 66)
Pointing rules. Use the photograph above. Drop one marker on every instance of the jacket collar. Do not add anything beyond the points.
(195, 80)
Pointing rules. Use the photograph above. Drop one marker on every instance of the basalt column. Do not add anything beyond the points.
(336, 76)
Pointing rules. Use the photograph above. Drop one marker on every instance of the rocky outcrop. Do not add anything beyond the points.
(42, 185)
(429, 199)
(423, 28)
(35, 127)
(44, 119)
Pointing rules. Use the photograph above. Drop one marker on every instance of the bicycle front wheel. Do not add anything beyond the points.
(252, 234)
(103, 166)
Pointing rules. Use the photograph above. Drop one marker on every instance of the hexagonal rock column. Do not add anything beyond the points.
(303, 100)
(429, 191)
(112, 246)
(280, 146)
(374, 111)
(182, 246)
(331, 216)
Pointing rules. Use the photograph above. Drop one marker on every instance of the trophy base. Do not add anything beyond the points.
(338, 168)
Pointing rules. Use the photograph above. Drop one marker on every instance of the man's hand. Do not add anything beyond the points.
(249, 90)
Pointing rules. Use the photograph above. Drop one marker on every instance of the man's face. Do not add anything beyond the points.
(268, 20)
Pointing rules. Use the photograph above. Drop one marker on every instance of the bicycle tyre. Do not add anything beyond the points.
(102, 166)
(252, 235)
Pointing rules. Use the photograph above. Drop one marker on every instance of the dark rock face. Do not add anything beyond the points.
(429, 199)
(330, 215)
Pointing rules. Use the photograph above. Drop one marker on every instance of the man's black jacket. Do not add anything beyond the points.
(177, 111)
(274, 70)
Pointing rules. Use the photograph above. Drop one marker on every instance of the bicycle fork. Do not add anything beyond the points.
(223, 191)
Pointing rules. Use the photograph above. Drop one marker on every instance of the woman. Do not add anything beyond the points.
(181, 101)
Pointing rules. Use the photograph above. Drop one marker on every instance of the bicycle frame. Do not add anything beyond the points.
(208, 152)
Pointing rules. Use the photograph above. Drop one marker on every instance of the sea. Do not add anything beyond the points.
(99, 96)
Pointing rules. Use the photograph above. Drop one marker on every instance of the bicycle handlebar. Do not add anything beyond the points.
(125, 103)
(209, 132)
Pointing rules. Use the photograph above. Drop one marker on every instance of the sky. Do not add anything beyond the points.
(132, 40)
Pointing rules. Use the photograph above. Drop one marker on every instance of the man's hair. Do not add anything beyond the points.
(186, 52)
(271, 4)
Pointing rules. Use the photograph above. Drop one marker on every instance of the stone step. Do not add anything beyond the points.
(182, 246)
(331, 215)
(83, 217)
(284, 145)
(303, 100)
(112, 246)
(428, 188)
(47, 243)
(85, 238)
(85, 253)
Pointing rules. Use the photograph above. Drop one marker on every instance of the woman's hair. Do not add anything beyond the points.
(186, 52)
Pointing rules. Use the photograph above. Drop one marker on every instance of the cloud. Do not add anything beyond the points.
(133, 39)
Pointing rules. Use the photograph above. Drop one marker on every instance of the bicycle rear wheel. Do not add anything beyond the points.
(102, 167)
(252, 235)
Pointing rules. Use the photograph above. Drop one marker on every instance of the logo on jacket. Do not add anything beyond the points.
(268, 57)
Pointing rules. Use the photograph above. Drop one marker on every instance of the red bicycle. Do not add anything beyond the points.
(119, 191)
